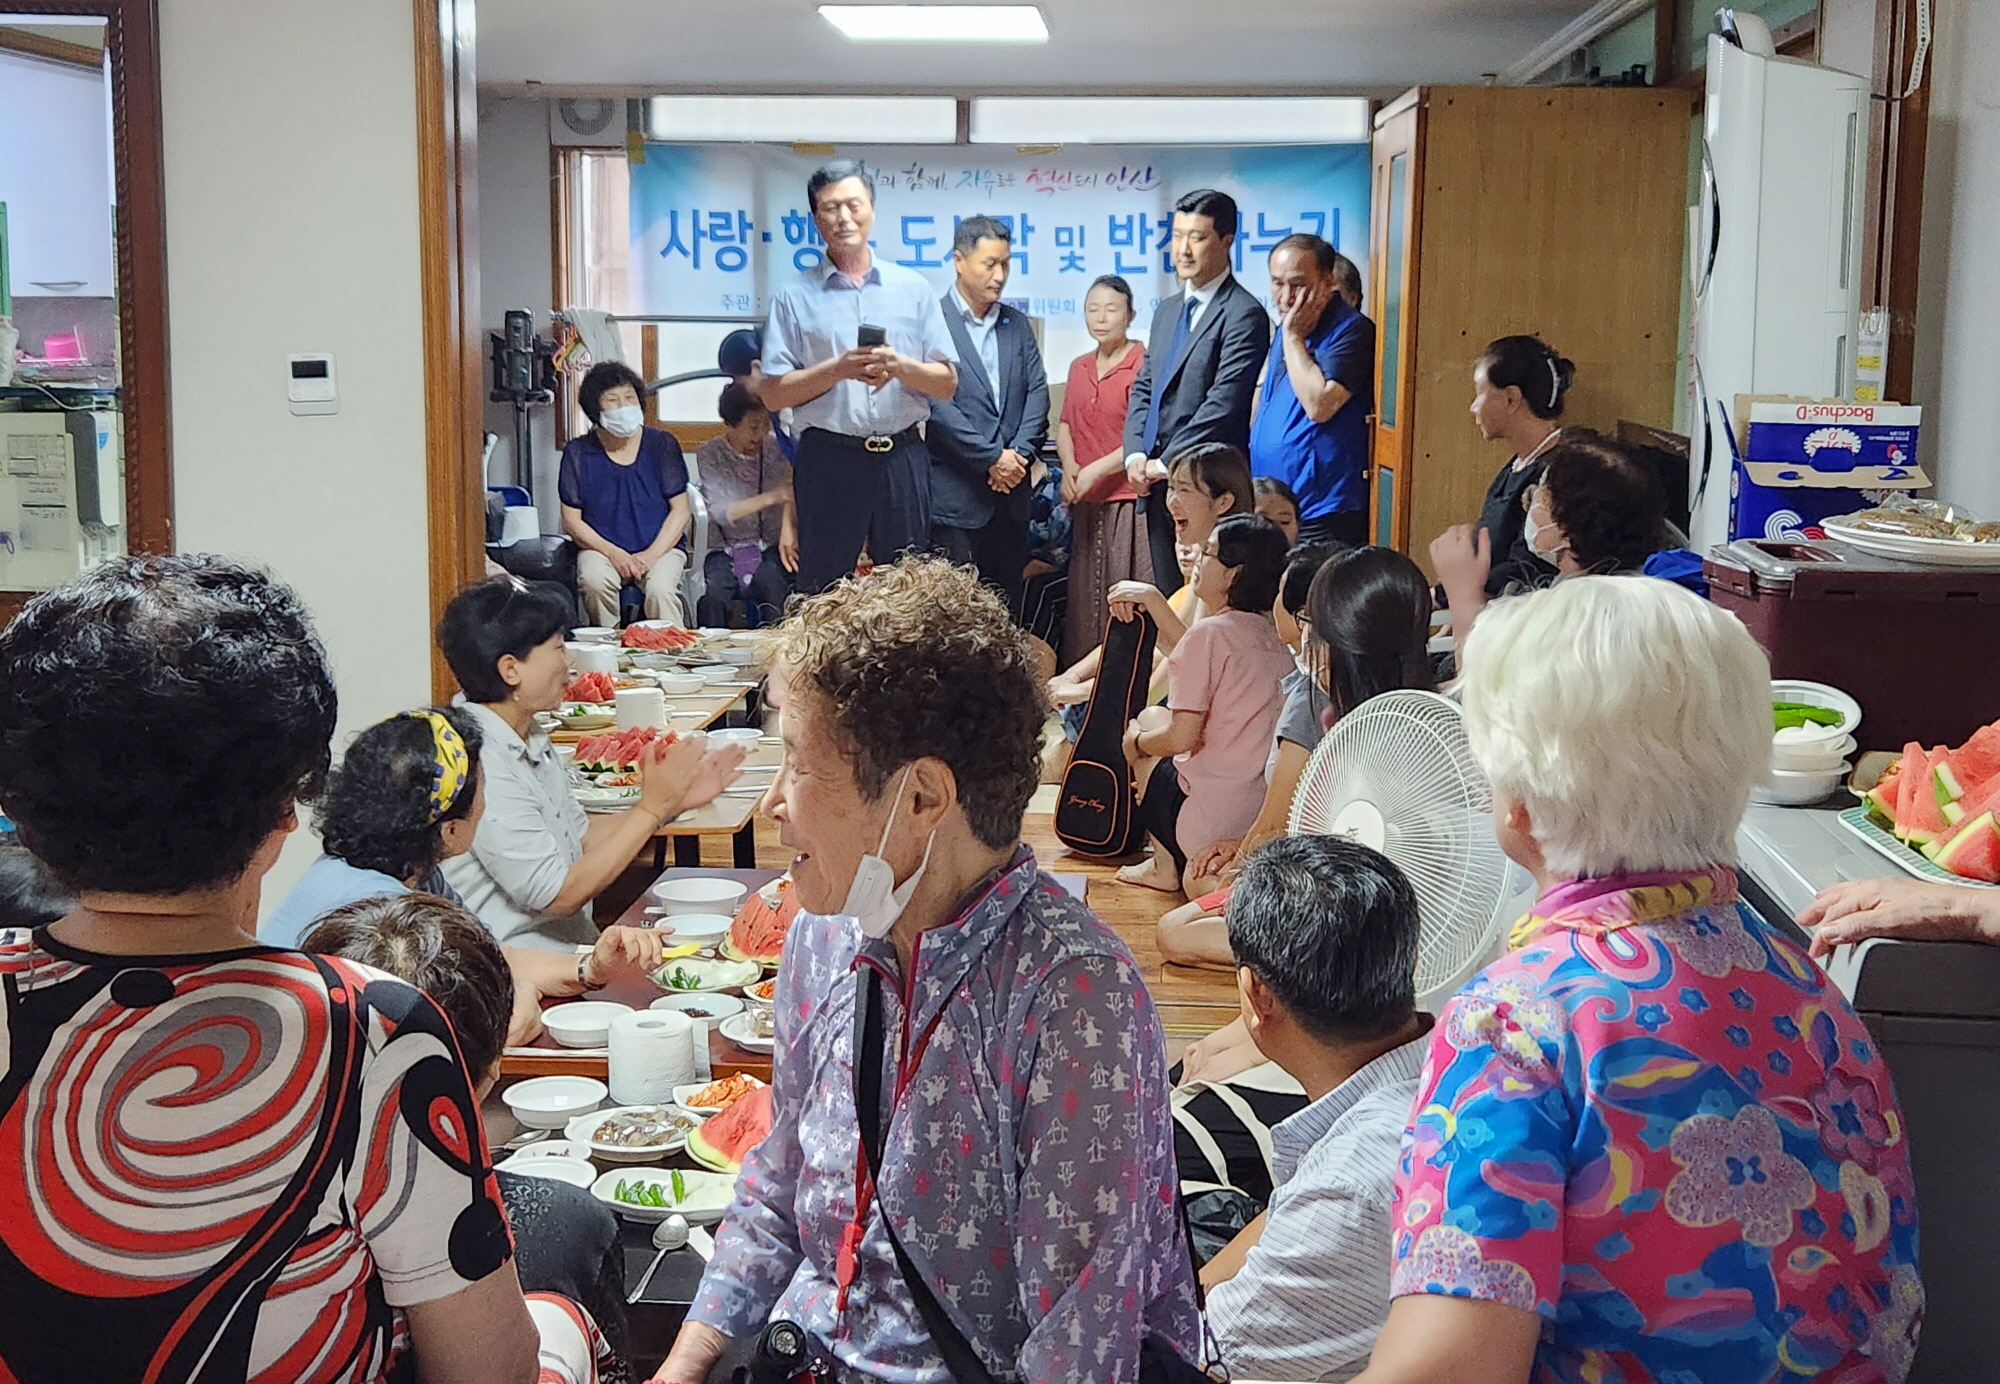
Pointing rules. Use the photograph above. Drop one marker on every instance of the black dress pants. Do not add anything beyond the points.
(849, 496)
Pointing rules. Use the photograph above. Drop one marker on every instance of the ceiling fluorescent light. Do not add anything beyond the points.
(938, 23)
(1169, 120)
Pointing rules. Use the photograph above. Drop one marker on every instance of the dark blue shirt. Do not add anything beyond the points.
(1325, 464)
(625, 504)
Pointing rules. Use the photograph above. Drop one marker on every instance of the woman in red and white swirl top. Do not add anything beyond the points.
(218, 1161)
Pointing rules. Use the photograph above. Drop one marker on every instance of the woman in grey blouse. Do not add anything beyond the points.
(536, 860)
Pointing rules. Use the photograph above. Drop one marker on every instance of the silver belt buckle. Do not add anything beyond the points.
(879, 444)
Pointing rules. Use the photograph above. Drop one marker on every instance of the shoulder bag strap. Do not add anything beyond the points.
(960, 1360)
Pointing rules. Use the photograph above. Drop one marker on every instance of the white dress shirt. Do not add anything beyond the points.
(1313, 1292)
(530, 835)
(1203, 295)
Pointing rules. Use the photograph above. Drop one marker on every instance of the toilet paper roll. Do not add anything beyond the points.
(652, 1051)
(586, 657)
(703, 1071)
(641, 706)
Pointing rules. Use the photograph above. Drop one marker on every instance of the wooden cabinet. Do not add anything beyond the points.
(1555, 211)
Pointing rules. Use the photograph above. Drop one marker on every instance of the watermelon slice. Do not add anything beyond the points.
(723, 1140)
(1974, 850)
(1914, 776)
(1945, 785)
(1922, 820)
(1976, 763)
(758, 934)
(1985, 798)
(1881, 799)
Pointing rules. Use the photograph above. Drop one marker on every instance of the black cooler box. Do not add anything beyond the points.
(1917, 646)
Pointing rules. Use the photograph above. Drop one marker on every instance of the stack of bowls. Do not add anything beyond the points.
(1808, 762)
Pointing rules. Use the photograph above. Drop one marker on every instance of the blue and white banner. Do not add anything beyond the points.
(716, 227)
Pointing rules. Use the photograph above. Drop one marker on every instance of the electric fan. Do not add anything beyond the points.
(1396, 775)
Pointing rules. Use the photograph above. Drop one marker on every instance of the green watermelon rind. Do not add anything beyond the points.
(1979, 832)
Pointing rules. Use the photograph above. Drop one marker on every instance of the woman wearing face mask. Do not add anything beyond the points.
(1518, 389)
(624, 500)
(1040, 1224)
(1595, 511)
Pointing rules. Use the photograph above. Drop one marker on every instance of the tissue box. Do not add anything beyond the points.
(1800, 461)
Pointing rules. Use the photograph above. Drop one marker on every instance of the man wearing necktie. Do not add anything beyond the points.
(1207, 346)
(984, 439)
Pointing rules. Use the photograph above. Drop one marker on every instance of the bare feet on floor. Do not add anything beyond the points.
(1155, 872)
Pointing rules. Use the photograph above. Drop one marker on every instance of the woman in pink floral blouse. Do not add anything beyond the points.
(1652, 1143)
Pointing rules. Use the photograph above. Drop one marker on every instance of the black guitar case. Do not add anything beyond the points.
(1094, 809)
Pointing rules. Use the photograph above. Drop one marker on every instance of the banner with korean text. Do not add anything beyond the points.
(716, 227)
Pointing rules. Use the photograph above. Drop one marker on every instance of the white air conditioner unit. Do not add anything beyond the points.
(1777, 254)
(587, 122)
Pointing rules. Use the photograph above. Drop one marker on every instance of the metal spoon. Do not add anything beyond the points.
(669, 1235)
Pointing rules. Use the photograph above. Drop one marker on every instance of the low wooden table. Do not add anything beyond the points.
(546, 1057)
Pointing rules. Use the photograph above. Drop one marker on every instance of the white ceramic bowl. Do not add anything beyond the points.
(757, 1001)
(705, 928)
(555, 1148)
(680, 684)
(550, 1102)
(698, 894)
(1819, 694)
(717, 672)
(713, 632)
(745, 736)
(712, 1008)
(583, 1024)
(739, 655)
(594, 634)
(577, 1172)
(1797, 788)
(1811, 754)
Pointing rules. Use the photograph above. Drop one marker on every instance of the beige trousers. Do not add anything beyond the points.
(600, 584)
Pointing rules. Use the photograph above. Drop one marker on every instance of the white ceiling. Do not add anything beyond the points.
(1361, 46)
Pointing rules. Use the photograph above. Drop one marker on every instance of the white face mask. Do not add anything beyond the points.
(875, 900)
(623, 421)
(1531, 530)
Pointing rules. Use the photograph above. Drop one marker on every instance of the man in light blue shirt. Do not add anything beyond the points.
(1325, 936)
(862, 473)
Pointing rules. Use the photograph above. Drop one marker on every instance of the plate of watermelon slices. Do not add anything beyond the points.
(1936, 812)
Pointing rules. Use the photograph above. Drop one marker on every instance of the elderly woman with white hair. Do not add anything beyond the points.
(1652, 1142)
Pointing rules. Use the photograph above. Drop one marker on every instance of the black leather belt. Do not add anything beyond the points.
(880, 442)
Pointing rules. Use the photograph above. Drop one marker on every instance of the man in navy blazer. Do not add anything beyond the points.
(1206, 350)
(984, 440)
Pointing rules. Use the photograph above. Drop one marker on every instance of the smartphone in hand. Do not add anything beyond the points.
(870, 335)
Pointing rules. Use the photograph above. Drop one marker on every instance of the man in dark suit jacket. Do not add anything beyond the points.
(1207, 348)
(983, 442)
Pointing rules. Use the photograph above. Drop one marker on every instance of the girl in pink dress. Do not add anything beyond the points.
(1223, 697)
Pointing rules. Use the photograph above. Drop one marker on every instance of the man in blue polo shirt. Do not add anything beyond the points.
(1311, 426)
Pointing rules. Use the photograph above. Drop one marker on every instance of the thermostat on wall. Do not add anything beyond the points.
(313, 387)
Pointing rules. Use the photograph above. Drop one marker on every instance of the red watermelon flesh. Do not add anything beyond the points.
(758, 934)
(1976, 763)
(1983, 799)
(1974, 852)
(1882, 798)
(1912, 771)
(1922, 818)
(724, 1139)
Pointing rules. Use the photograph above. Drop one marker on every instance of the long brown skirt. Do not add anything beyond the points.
(1107, 546)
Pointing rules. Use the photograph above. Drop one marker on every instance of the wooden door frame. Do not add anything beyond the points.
(448, 233)
(132, 39)
(1412, 104)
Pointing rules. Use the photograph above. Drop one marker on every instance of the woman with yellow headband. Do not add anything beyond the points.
(407, 796)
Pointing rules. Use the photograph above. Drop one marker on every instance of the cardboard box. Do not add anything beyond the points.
(1801, 461)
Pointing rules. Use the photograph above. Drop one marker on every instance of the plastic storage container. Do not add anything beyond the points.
(1917, 646)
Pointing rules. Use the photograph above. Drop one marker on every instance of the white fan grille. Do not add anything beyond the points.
(1396, 774)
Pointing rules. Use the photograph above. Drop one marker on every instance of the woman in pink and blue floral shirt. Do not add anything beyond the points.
(1652, 1144)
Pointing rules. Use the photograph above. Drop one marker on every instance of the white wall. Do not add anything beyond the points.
(515, 263)
(1958, 299)
(291, 181)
